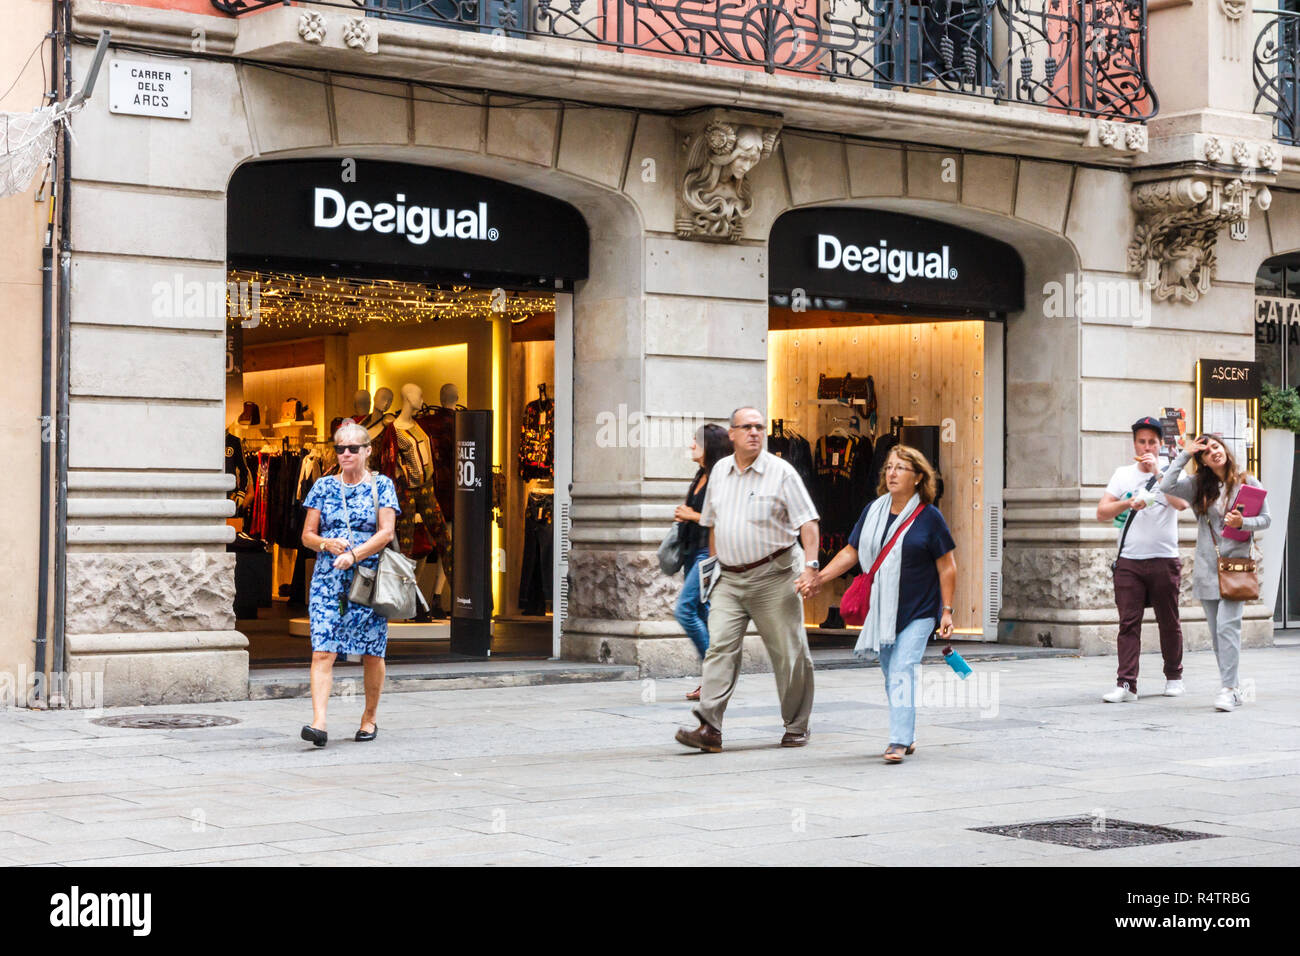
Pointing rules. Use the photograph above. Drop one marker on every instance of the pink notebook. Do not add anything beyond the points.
(1251, 500)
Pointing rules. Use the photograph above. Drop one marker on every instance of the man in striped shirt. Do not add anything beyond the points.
(755, 508)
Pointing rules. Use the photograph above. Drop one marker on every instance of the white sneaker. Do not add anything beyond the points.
(1227, 700)
(1120, 695)
(1173, 688)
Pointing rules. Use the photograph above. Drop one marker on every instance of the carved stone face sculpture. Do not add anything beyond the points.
(748, 152)
(1183, 261)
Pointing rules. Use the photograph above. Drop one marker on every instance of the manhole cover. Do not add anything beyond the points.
(165, 721)
(1095, 833)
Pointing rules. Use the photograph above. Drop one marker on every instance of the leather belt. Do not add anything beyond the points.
(759, 563)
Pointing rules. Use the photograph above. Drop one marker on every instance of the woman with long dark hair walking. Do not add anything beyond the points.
(710, 445)
(1212, 490)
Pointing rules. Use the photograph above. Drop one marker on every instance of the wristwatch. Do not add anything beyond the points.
(814, 564)
(948, 609)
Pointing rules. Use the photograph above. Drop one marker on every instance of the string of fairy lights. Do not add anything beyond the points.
(282, 300)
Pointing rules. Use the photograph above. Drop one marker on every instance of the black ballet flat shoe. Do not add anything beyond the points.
(318, 737)
(363, 735)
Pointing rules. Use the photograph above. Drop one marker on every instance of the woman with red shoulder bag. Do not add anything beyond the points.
(904, 548)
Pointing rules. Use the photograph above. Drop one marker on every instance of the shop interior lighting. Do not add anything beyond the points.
(289, 301)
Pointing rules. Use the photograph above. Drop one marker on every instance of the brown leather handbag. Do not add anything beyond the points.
(1238, 577)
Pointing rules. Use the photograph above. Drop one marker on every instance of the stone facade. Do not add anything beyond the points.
(665, 324)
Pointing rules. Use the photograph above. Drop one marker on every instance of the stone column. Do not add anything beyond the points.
(648, 370)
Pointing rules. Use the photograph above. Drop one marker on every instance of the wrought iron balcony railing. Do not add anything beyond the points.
(1079, 57)
(1277, 74)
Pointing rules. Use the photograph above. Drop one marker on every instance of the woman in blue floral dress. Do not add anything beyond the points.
(344, 527)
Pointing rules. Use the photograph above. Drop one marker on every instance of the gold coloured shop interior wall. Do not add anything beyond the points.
(400, 358)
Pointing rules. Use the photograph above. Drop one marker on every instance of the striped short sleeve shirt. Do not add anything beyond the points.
(754, 512)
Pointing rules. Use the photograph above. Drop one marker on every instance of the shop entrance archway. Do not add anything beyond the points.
(888, 328)
(412, 290)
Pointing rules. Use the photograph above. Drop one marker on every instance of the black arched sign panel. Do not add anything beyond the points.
(855, 259)
(397, 220)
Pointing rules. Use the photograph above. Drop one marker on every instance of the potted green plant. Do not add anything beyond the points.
(1279, 421)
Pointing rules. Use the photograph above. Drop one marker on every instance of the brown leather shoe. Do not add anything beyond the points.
(695, 694)
(794, 740)
(703, 738)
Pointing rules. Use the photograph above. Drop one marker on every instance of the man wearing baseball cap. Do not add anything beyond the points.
(1147, 570)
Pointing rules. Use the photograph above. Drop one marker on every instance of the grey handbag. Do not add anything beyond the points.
(670, 554)
(389, 589)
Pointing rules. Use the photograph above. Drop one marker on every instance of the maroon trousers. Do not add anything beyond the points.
(1136, 582)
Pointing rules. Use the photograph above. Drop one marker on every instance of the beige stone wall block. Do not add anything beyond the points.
(600, 386)
(703, 327)
(114, 434)
(1110, 405)
(691, 267)
(194, 153)
(875, 170)
(150, 294)
(369, 111)
(652, 185)
(287, 110)
(1100, 221)
(816, 169)
(989, 182)
(1042, 193)
(1225, 311)
(1239, 259)
(1154, 355)
(1284, 221)
(670, 458)
(620, 585)
(711, 387)
(160, 225)
(770, 196)
(934, 174)
(149, 678)
(147, 364)
(594, 144)
(527, 135)
(453, 124)
(122, 592)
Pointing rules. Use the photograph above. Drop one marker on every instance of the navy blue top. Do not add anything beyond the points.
(926, 540)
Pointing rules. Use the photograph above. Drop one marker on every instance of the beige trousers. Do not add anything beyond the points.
(767, 596)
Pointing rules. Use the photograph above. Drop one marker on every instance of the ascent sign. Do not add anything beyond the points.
(149, 88)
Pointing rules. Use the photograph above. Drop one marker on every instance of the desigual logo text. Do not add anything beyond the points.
(897, 265)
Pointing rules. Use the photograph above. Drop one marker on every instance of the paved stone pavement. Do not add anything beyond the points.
(589, 773)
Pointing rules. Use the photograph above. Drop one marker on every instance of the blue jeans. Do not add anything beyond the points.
(901, 664)
(690, 613)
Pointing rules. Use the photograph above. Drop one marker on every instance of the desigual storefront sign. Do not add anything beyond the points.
(870, 258)
(401, 218)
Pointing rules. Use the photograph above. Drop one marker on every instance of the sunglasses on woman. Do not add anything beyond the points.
(350, 449)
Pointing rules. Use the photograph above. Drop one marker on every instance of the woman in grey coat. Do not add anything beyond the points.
(1211, 489)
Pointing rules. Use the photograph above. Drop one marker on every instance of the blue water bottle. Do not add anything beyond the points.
(956, 662)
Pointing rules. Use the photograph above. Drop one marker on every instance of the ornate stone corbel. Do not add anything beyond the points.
(714, 197)
(1174, 241)
(311, 27)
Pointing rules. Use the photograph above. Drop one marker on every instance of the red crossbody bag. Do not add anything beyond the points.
(856, 601)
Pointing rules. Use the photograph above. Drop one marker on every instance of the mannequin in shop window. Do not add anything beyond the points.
(439, 423)
(361, 407)
(416, 487)
(378, 414)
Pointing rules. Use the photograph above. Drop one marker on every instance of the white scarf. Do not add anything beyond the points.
(881, 624)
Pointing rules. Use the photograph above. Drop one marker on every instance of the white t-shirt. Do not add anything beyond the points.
(1153, 532)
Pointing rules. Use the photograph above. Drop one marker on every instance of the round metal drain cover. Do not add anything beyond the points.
(165, 721)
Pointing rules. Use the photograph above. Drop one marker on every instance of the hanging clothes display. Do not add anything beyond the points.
(440, 425)
(535, 572)
(785, 442)
(537, 441)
